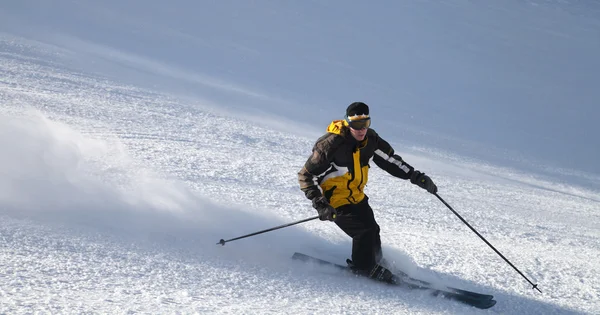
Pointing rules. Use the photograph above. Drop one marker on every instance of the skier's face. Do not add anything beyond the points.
(358, 134)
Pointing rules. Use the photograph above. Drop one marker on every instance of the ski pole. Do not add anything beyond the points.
(535, 286)
(222, 241)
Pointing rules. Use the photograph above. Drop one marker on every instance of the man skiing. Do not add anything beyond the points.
(335, 175)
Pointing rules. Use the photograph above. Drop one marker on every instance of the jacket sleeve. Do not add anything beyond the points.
(392, 163)
(318, 163)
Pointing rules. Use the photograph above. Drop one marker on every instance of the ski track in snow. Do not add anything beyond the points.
(112, 198)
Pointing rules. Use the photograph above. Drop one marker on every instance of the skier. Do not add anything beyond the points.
(334, 177)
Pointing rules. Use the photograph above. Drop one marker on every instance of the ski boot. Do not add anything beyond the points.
(378, 272)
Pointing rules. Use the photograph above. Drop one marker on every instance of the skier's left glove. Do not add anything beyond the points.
(423, 181)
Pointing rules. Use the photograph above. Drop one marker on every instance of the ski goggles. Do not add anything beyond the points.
(358, 123)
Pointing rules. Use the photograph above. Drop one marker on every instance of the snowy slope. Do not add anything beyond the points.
(113, 194)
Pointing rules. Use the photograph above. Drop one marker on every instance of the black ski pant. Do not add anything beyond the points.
(358, 221)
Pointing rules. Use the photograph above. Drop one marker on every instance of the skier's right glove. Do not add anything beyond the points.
(325, 210)
(423, 181)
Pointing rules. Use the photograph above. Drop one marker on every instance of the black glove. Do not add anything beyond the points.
(325, 210)
(423, 181)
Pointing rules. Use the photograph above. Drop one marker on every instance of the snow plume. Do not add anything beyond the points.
(55, 174)
(52, 171)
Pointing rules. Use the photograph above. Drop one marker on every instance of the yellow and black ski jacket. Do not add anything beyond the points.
(338, 167)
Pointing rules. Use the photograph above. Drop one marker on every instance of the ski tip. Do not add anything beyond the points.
(488, 305)
(484, 304)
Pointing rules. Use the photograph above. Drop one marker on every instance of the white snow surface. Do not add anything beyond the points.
(113, 195)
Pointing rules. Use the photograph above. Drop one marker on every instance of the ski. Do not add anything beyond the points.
(482, 301)
(409, 280)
